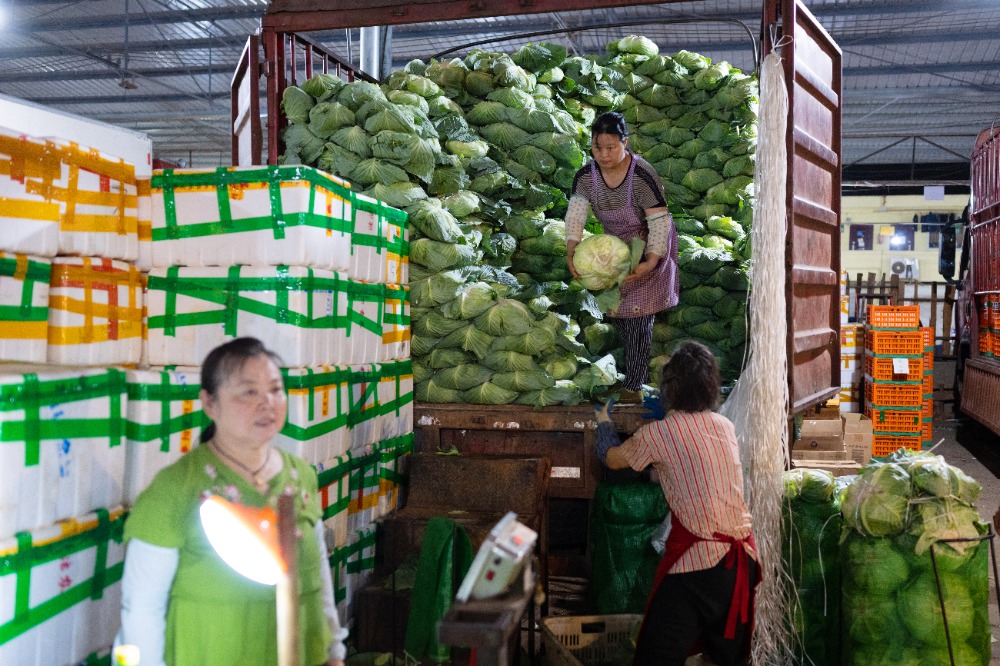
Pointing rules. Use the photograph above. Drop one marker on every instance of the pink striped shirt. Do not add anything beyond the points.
(696, 456)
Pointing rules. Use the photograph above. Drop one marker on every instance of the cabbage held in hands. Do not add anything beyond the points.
(602, 261)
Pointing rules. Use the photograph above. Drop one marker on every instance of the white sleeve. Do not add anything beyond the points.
(337, 648)
(659, 233)
(146, 581)
(576, 217)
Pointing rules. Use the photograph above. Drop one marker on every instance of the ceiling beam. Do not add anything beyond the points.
(154, 45)
(90, 22)
(104, 74)
(129, 98)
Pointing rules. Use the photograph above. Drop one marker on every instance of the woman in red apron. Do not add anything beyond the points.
(626, 195)
(702, 597)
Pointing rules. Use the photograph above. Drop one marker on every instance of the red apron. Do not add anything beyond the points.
(678, 543)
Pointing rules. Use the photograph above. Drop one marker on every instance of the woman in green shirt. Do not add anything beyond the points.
(181, 604)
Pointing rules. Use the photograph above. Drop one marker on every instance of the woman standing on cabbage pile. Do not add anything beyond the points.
(626, 195)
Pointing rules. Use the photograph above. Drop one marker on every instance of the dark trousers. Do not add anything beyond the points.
(690, 609)
(636, 334)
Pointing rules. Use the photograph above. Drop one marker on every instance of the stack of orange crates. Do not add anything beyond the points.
(895, 362)
(927, 422)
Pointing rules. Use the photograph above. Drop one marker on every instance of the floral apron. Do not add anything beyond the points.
(660, 288)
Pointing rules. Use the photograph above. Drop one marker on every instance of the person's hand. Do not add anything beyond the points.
(569, 261)
(642, 270)
(602, 411)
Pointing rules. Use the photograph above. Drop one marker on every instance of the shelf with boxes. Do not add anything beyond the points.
(115, 282)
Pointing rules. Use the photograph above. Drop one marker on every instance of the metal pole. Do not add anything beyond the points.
(370, 51)
(288, 588)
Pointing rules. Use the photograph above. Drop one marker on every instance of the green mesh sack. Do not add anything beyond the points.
(810, 532)
(624, 562)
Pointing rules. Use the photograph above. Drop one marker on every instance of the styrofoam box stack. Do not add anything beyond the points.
(24, 307)
(852, 349)
(360, 308)
(62, 198)
(163, 422)
(364, 414)
(364, 484)
(144, 224)
(190, 311)
(318, 410)
(95, 312)
(258, 216)
(396, 323)
(60, 596)
(334, 491)
(353, 566)
(379, 246)
(393, 470)
(62, 455)
(395, 399)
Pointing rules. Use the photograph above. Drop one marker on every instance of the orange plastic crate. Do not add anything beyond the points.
(894, 420)
(900, 343)
(881, 368)
(986, 341)
(927, 430)
(893, 316)
(894, 395)
(883, 445)
(928, 406)
(928, 337)
(928, 383)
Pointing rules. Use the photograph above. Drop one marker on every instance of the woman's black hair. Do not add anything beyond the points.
(222, 362)
(690, 379)
(610, 122)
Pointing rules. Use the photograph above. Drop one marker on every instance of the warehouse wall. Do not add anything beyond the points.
(886, 215)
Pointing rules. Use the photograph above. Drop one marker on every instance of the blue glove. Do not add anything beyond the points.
(655, 409)
(602, 410)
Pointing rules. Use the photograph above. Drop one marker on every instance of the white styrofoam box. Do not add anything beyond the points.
(851, 365)
(256, 215)
(395, 398)
(852, 338)
(144, 225)
(845, 303)
(164, 420)
(24, 308)
(364, 486)
(393, 468)
(359, 307)
(359, 565)
(334, 477)
(375, 223)
(95, 312)
(396, 323)
(851, 407)
(363, 414)
(318, 406)
(850, 393)
(397, 246)
(60, 601)
(190, 311)
(29, 216)
(62, 431)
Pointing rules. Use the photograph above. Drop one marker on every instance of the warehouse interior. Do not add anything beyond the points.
(920, 82)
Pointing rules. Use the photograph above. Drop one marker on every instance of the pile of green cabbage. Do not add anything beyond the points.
(894, 513)
(810, 536)
(481, 152)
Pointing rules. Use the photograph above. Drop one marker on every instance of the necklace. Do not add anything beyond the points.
(258, 481)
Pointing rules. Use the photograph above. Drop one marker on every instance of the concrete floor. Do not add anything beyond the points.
(976, 450)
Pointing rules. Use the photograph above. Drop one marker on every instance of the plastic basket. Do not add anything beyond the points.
(893, 316)
(927, 429)
(881, 368)
(899, 343)
(587, 639)
(928, 406)
(894, 420)
(894, 394)
(928, 383)
(883, 445)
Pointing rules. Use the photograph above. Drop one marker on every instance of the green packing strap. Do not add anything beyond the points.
(391, 451)
(337, 558)
(95, 659)
(222, 178)
(32, 393)
(165, 394)
(304, 434)
(147, 432)
(312, 380)
(361, 563)
(356, 413)
(364, 474)
(231, 310)
(376, 240)
(220, 291)
(37, 272)
(28, 556)
(327, 478)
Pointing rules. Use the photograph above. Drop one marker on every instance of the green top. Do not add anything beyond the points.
(215, 615)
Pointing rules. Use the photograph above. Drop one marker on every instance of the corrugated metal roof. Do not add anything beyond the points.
(921, 77)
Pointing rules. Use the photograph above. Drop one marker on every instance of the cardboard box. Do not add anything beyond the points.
(820, 435)
(816, 456)
(835, 467)
(857, 437)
